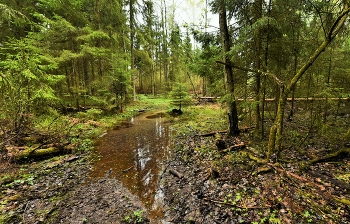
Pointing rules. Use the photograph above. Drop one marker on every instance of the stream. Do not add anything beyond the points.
(135, 153)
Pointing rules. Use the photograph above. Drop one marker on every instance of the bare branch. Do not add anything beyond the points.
(278, 81)
(319, 15)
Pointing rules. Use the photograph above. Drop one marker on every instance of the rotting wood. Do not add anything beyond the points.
(38, 152)
(209, 99)
(175, 173)
(243, 129)
(303, 179)
(246, 129)
(253, 157)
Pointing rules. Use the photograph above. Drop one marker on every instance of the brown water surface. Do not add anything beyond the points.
(136, 153)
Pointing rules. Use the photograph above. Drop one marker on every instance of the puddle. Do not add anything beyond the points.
(137, 151)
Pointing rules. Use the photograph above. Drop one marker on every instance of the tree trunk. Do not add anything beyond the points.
(132, 56)
(258, 47)
(226, 45)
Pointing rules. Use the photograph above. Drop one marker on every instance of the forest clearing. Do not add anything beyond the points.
(124, 111)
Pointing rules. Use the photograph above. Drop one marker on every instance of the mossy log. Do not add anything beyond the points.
(31, 153)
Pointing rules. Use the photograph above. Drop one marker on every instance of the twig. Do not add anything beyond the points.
(126, 170)
(235, 205)
(24, 212)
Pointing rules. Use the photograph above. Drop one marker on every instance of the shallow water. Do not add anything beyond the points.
(135, 154)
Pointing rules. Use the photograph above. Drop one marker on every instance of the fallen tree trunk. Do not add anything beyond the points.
(24, 153)
(31, 153)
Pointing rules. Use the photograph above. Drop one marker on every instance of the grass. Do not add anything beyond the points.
(201, 119)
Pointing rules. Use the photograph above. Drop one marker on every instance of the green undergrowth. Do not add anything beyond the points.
(83, 127)
(201, 119)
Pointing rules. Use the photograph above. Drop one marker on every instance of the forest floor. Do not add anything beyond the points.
(201, 184)
(239, 186)
(58, 191)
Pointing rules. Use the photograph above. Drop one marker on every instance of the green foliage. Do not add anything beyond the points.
(27, 82)
(136, 217)
(91, 114)
(180, 96)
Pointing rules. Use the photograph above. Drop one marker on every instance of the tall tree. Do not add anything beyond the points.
(226, 46)
(275, 138)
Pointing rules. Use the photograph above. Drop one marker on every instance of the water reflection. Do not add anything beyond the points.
(136, 153)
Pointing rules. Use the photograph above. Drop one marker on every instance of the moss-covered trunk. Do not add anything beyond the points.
(275, 138)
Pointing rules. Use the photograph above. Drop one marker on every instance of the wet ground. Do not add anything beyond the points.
(59, 191)
(135, 154)
(120, 186)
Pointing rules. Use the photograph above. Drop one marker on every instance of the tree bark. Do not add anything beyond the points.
(226, 45)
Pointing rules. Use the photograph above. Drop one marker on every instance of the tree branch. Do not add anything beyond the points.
(278, 81)
(339, 22)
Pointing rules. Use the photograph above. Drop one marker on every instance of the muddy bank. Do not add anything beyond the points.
(59, 191)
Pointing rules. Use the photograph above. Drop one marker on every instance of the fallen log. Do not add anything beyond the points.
(234, 147)
(24, 153)
(212, 133)
(329, 156)
(175, 173)
(243, 129)
(246, 129)
(31, 153)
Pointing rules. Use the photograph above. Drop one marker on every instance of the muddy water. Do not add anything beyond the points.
(135, 154)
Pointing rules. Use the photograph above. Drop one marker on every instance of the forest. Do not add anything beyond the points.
(267, 87)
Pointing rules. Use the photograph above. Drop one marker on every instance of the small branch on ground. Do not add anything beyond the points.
(175, 173)
(126, 170)
(235, 205)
